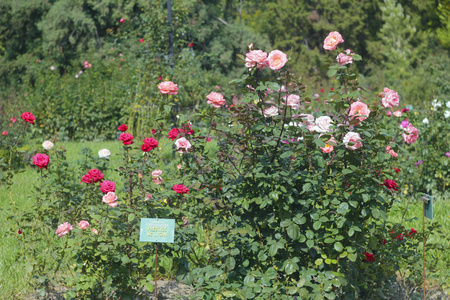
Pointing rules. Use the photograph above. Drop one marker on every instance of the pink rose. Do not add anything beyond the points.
(28, 117)
(63, 229)
(83, 224)
(323, 124)
(122, 20)
(306, 118)
(41, 160)
(173, 133)
(292, 101)
(256, 58)
(345, 58)
(156, 173)
(183, 145)
(94, 231)
(149, 144)
(107, 186)
(87, 179)
(141, 40)
(410, 134)
(398, 113)
(13, 120)
(389, 98)
(126, 138)
(180, 189)
(388, 113)
(5, 133)
(216, 99)
(332, 40)
(276, 59)
(271, 111)
(354, 138)
(391, 151)
(168, 87)
(110, 199)
(329, 146)
(96, 175)
(359, 110)
(157, 180)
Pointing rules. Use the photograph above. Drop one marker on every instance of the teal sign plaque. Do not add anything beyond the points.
(157, 230)
(428, 206)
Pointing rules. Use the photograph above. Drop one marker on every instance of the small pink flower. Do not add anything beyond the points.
(271, 111)
(398, 113)
(168, 87)
(107, 186)
(359, 110)
(63, 229)
(110, 199)
(156, 173)
(148, 197)
(389, 98)
(122, 20)
(388, 113)
(354, 138)
(345, 58)
(328, 146)
(410, 134)
(215, 99)
(4, 132)
(292, 101)
(180, 189)
(332, 40)
(83, 224)
(158, 180)
(13, 120)
(276, 60)
(141, 40)
(391, 151)
(94, 231)
(183, 145)
(256, 58)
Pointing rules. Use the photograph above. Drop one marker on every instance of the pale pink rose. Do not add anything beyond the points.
(63, 229)
(83, 224)
(359, 110)
(110, 199)
(47, 145)
(323, 124)
(94, 231)
(276, 59)
(292, 101)
(307, 118)
(398, 113)
(271, 111)
(329, 146)
(410, 134)
(389, 98)
(256, 58)
(352, 137)
(157, 180)
(183, 145)
(344, 59)
(148, 197)
(179, 167)
(156, 173)
(168, 87)
(391, 151)
(216, 99)
(311, 127)
(332, 40)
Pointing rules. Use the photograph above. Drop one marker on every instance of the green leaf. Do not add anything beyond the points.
(310, 243)
(346, 171)
(286, 154)
(167, 108)
(331, 72)
(131, 217)
(290, 267)
(352, 257)
(343, 208)
(319, 143)
(317, 225)
(338, 247)
(230, 263)
(229, 294)
(149, 286)
(293, 231)
(318, 262)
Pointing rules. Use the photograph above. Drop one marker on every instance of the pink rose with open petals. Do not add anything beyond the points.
(216, 99)
(276, 59)
(180, 189)
(354, 138)
(256, 58)
(63, 229)
(94, 231)
(156, 173)
(389, 98)
(292, 101)
(83, 224)
(329, 145)
(410, 134)
(183, 145)
(271, 111)
(345, 58)
(168, 87)
(391, 151)
(359, 110)
(397, 113)
(41, 160)
(332, 40)
(110, 199)
(107, 186)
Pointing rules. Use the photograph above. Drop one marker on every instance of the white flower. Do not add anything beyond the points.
(47, 145)
(436, 104)
(104, 153)
(271, 111)
(323, 124)
(447, 104)
(425, 121)
(447, 114)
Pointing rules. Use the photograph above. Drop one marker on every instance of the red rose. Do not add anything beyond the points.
(96, 175)
(126, 138)
(19, 231)
(369, 257)
(41, 160)
(405, 110)
(107, 186)
(28, 117)
(332, 89)
(123, 127)
(397, 170)
(322, 90)
(141, 40)
(390, 184)
(191, 45)
(412, 232)
(87, 179)
(173, 134)
(153, 131)
(149, 144)
(180, 189)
